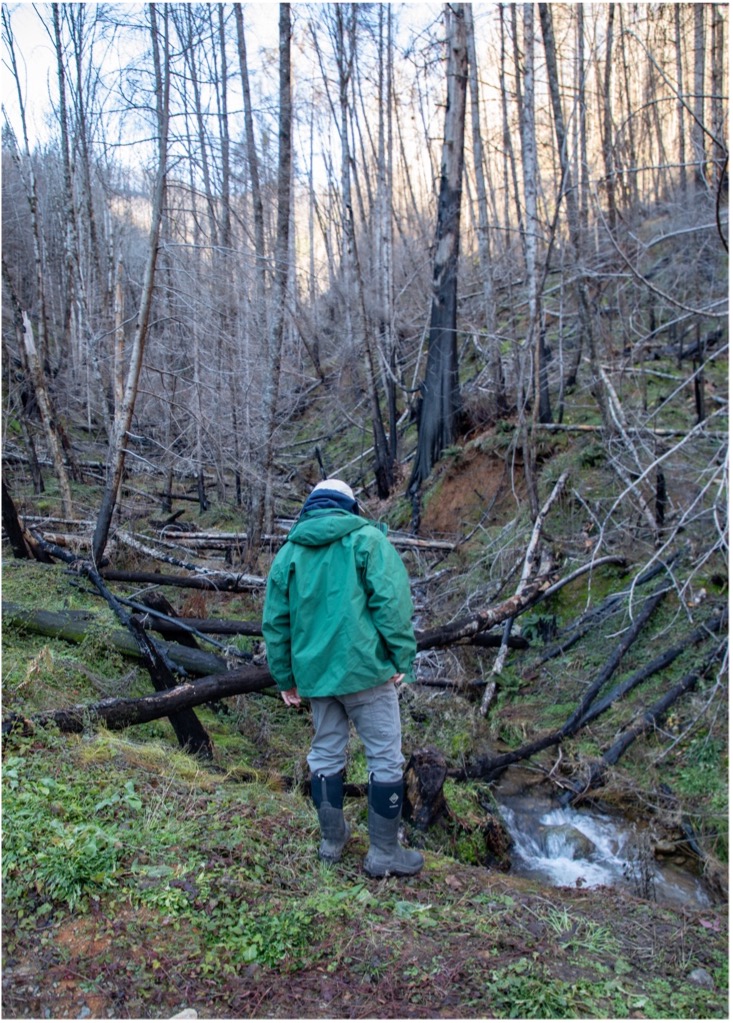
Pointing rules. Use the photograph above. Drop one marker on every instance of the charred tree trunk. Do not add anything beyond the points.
(116, 713)
(440, 401)
(19, 542)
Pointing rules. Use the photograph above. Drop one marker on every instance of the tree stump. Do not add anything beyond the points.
(424, 779)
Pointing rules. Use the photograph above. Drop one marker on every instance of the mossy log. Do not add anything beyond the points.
(76, 626)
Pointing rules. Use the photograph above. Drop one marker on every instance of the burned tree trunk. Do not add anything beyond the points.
(190, 732)
(116, 713)
(645, 722)
(424, 779)
(440, 403)
(21, 543)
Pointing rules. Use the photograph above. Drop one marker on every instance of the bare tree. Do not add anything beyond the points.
(698, 126)
(123, 415)
(497, 397)
(265, 511)
(440, 400)
(608, 161)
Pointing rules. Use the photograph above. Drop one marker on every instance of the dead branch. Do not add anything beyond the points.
(645, 722)
(492, 766)
(530, 566)
(116, 713)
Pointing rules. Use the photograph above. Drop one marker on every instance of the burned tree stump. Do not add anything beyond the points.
(424, 779)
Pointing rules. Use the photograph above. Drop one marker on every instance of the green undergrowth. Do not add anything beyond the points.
(173, 869)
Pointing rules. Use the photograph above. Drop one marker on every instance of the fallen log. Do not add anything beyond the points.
(613, 662)
(704, 631)
(223, 582)
(481, 621)
(129, 540)
(213, 626)
(645, 722)
(221, 541)
(75, 626)
(116, 713)
(191, 734)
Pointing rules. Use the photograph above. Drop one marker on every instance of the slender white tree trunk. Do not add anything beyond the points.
(123, 414)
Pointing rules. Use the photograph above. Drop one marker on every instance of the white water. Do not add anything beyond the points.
(568, 847)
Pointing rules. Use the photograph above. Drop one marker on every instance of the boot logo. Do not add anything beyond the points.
(394, 799)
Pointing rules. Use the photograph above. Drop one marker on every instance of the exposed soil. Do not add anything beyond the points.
(479, 484)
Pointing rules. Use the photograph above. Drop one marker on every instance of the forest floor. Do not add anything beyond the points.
(206, 894)
(139, 882)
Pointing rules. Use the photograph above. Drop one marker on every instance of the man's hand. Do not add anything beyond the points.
(396, 678)
(291, 697)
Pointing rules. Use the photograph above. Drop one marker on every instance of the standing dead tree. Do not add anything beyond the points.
(440, 400)
(123, 414)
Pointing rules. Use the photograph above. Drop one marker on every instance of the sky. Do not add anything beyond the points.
(37, 62)
(34, 51)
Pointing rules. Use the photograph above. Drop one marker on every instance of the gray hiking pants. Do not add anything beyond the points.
(375, 713)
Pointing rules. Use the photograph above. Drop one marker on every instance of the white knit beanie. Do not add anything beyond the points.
(338, 485)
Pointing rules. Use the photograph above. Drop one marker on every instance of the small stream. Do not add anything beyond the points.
(584, 848)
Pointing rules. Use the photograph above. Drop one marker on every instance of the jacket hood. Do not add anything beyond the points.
(325, 525)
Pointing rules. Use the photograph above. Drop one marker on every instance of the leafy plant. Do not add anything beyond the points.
(273, 939)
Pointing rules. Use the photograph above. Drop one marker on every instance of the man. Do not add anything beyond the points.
(337, 624)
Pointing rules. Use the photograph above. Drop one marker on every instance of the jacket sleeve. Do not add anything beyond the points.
(276, 630)
(390, 604)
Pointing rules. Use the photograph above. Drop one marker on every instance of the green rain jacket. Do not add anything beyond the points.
(338, 609)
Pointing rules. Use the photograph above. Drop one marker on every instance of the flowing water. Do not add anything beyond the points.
(583, 848)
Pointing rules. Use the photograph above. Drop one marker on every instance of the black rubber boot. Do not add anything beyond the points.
(386, 855)
(328, 795)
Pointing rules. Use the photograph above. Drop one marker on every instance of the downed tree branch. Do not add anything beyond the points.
(595, 615)
(530, 565)
(641, 431)
(224, 541)
(75, 626)
(183, 630)
(219, 582)
(712, 626)
(481, 621)
(490, 767)
(609, 669)
(646, 721)
(609, 559)
(198, 570)
(116, 713)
